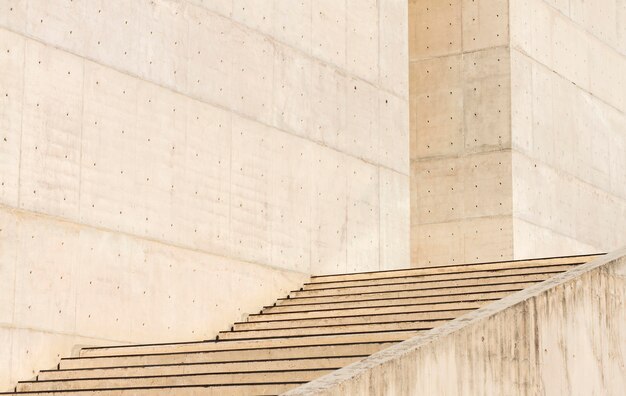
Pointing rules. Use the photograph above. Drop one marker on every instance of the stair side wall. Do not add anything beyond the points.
(563, 336)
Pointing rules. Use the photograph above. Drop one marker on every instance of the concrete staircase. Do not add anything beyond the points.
(331, 322)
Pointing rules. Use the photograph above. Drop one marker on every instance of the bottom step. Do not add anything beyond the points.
(194, 390)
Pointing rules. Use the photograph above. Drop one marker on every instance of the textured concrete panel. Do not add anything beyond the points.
(393, 149)
(292, 90)
(329, 90)
(457, 188)
(394, 219)
(485, 24)
(329, 213)
(393, 21)
(209, 66)
(438, 28)
(362, 133)
(51, 130)
(8, 261)
(362, 38)
(45, 278)
(363, 216)
(11, 94)
(328, 31)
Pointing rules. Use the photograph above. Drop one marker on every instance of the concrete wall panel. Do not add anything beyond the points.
(393, 75)
(394, 219)
(12, 91)
(362, 42)
(328, 31)
(363, 216)
(51, 131)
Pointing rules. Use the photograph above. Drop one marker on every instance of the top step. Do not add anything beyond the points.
(455, 269)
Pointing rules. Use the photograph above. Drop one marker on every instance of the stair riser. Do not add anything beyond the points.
(332, 330)
(234, 390)
(198, 368)
(430, 303)
(365, 311)
(455, 268)
(230, 345)
(224, 356)
(446, 315)
(440, 278)
(211, 379)
(420, 286)
(401, 294)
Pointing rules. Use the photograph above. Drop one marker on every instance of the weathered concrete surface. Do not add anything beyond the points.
(566, 335)
(61, 281)
(460, 132)
(568, 126)
(535, 91)
(257, 143)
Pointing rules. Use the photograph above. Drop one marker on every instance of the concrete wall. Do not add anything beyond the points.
(161, 152)
(568, 62)
(518, 129)
(565, 336)
(460, 132)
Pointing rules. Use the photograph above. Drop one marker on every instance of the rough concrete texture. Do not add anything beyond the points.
(566, 335)
(460, 132)
(535, 90)
(268, 139)
(64, 284)
(568, 125)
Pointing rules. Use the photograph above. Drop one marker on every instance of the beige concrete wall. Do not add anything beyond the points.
(255, 142)
(568, 126)
(460, 132)
(565, 336)
(518, 129)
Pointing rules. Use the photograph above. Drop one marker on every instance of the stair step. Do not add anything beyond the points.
(336, 313)
(173, 380)
(496, 273)
(184, 390)
(327, 330)
(196, 368)
(350, 320)
(240, 355)
(460, 268)
(458, 291)
(245, 344)
(427, 302)
(444, 285)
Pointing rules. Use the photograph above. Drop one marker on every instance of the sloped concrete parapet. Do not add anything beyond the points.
(566, 335)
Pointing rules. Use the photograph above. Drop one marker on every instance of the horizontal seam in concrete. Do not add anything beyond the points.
(463, 219)
(324, 62)
(526, 220)
(462, 155)
(562, 171)
(453, 54)
(216, 105)
(583, 28)
(583, 89)
(23, 212)
(402, 349)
